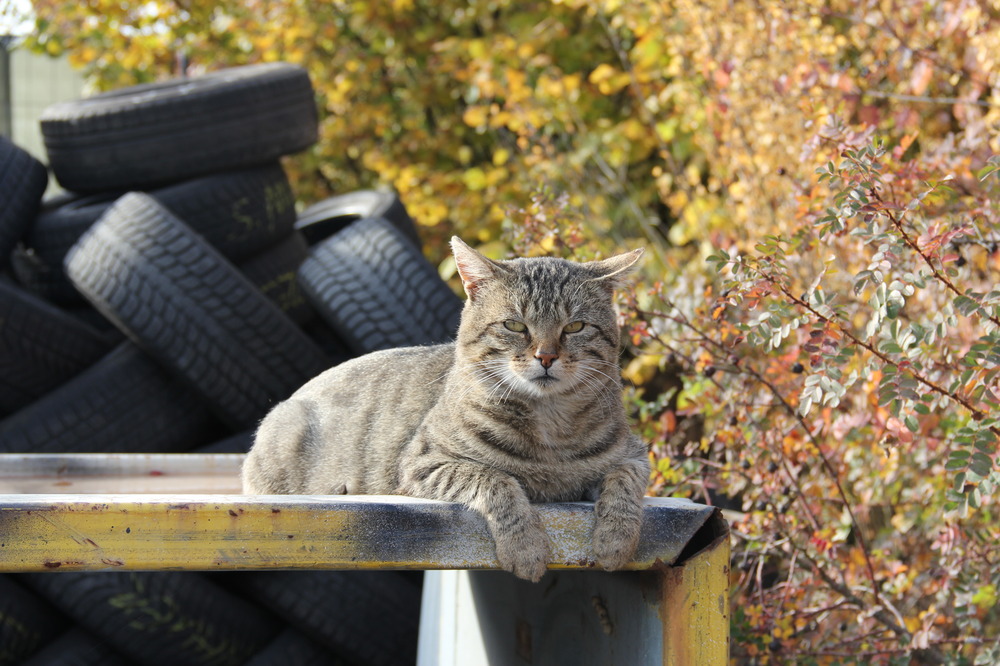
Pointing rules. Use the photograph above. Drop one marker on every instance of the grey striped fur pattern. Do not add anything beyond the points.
(524, 407)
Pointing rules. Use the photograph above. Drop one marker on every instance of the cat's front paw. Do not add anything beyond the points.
(615, 542)
(526, 555)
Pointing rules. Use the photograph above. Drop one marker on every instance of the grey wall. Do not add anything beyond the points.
(35, 81)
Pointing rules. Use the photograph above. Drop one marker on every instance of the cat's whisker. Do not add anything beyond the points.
(605, 393)
(600, 361)
(596, 390)
(585, 366)
(496, 387)
(494, 372)
(483, 379)
(510, 389)
(606, 388)
(439, 378)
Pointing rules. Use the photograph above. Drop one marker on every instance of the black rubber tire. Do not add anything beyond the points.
(238, 443)
(330, 216)
(275, 273)
(23, 180)
(76, 648)
(292, 648)
(377, 291)
(86, 313)
(123, 403)
(160, 618)
(157, 133)
(365, 617)
(241, 213)
(41, 347)
(328, 340)
(27, 622)
(192, 310)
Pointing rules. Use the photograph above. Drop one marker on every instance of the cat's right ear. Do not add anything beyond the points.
(474, 268)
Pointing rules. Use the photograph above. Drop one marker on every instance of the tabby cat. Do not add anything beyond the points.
(524, 407)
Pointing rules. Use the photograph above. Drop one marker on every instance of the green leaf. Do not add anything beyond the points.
(975, 498)
(981, 464)
(965, 305)
(957, 460)
(890, 347)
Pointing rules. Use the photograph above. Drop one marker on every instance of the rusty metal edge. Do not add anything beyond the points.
(694, 601)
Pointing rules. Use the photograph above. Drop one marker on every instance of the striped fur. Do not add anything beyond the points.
(497, 420)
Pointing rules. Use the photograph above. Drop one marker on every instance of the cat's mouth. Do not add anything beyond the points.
(544, 379)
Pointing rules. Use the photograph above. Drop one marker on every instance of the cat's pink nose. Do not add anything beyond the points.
(547, 358)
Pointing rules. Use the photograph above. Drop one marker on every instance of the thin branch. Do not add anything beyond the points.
(827, 465)
(886, 614)
(925, 99)
(977, 414)
(927, 655)
(940, 277)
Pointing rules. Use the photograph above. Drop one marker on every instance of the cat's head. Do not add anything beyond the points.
(542, 326)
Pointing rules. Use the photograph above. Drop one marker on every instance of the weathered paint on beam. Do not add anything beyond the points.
(694, 606)
(237, 532)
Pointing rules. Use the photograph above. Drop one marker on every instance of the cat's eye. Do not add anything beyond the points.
(515, 325)
(574, 327)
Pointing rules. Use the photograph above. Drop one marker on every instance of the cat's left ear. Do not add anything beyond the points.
(474, 268)
(614, 272)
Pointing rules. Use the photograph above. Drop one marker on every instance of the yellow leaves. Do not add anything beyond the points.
(559, 88)
(428, 213)
(667, 470)
(634, 129)
(517, 89)
(608, 79)
(642, 368)
(500, 156)
(986, 597)
(738, 189)
(678, 200)
(476, 116)
(784, 627)
(649, 51)
(474, 179)
(548, 244)
(698, 218)
(667, 129)
(478, 178)
(477, 49)
(53, 47)
(83, 56)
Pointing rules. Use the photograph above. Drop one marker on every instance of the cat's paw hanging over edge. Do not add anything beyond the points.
(615, 544)
(526, 557)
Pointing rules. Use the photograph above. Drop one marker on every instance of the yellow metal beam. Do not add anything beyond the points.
(133, 512)
(228, 532)
(694, 606)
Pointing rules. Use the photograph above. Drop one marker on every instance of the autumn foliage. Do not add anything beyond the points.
(816, 345)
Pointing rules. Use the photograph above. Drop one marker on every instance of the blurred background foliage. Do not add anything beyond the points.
(821, 378)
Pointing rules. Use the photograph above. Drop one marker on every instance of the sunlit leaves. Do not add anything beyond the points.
(836, 163)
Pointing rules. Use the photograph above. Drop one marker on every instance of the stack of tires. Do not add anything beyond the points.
(164, 305)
